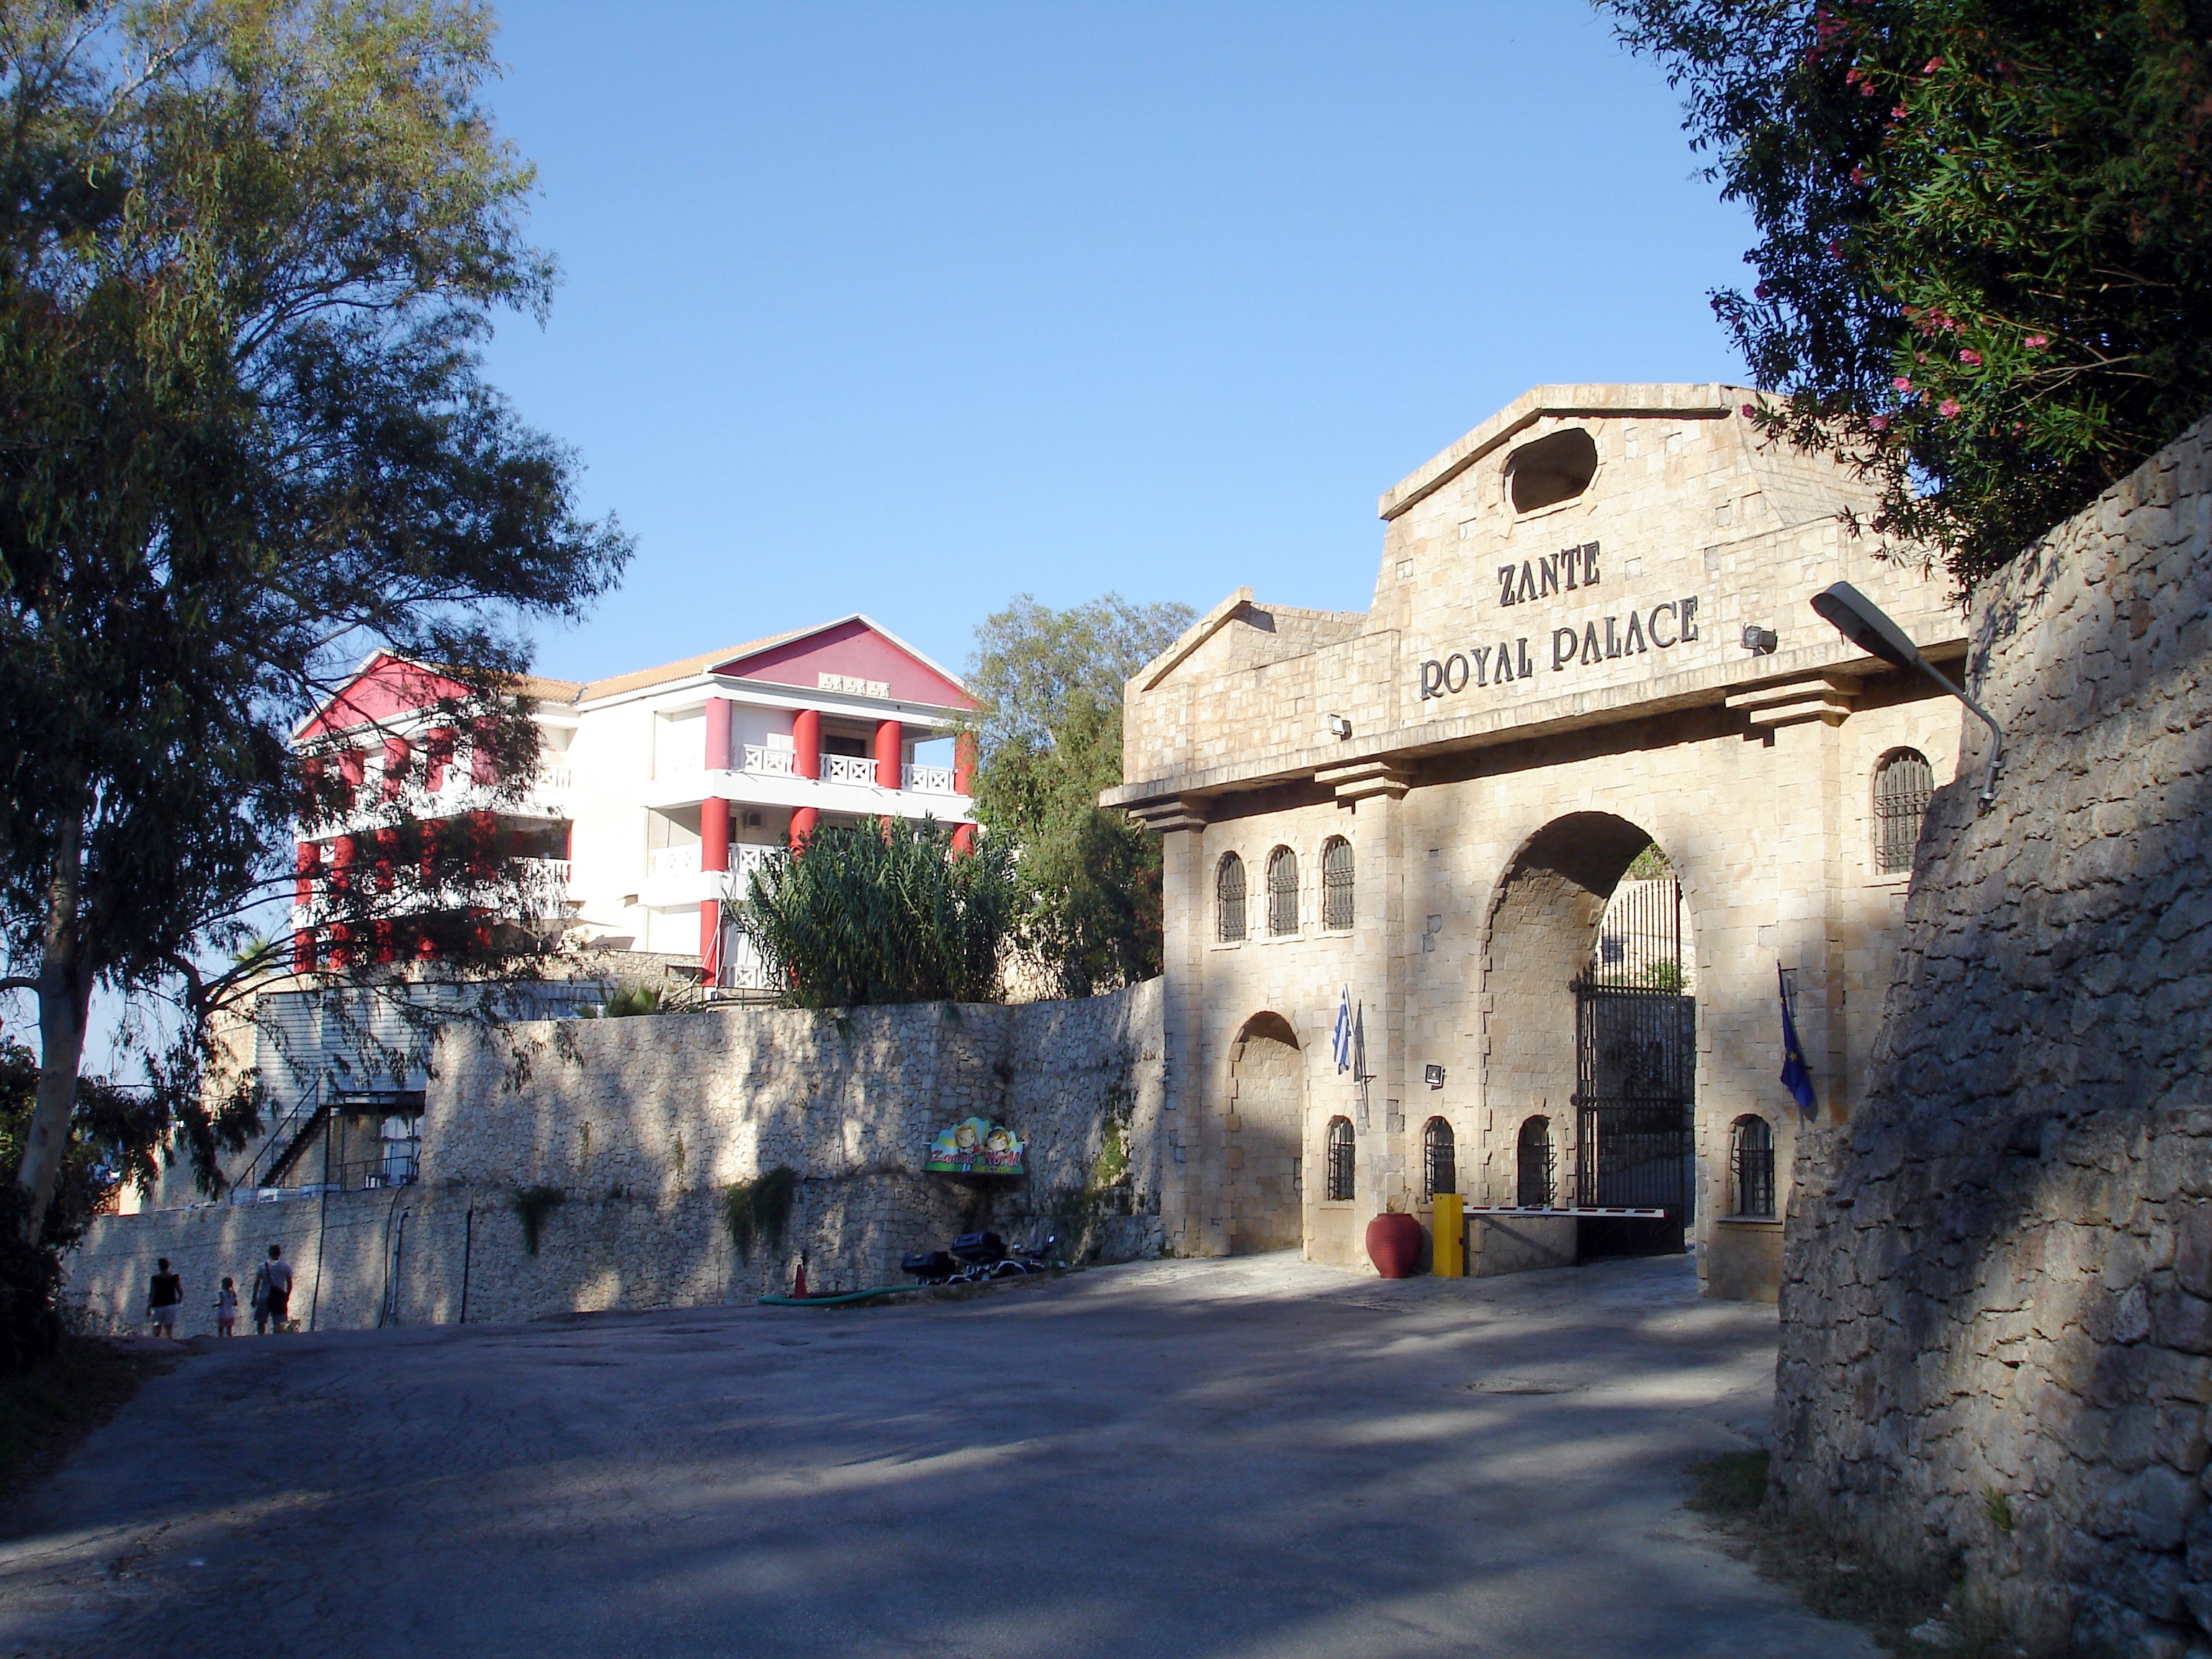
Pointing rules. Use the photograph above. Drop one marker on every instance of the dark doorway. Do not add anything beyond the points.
(1636, 1064)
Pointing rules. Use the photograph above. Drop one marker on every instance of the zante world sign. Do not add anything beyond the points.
(1587, 643)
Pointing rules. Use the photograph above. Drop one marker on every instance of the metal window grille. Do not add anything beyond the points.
(1229, 898)
(1439, 1159)
(1901, 786)
(1754, 1166)
(1336, 884)
(1339, 1187)
(1535, 1184)
(1282, 891)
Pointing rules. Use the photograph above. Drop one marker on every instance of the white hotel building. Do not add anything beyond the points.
(661, 790)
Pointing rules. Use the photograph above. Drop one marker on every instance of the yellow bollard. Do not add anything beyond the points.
(1448, 1249)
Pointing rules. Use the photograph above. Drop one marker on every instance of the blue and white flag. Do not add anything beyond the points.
(1796, 1076)
(1342, 1041)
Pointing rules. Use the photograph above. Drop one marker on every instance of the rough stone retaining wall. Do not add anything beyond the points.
(639, 1123)
(1997, 1298)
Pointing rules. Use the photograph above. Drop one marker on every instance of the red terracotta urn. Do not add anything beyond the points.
(1393, 1245)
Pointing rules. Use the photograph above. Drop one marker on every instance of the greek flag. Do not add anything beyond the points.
(1342, 1042)
(1796, 1076)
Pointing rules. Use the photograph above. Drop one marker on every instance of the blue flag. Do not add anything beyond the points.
(1796, 1076)
(1342, 1042)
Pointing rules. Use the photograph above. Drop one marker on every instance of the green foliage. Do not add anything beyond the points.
(882, 912)
(1998, 1507)
(756, 1211)
(249, 252)
(1049, 736)
(532, 1205)
(1985, 263)
(624, 1005)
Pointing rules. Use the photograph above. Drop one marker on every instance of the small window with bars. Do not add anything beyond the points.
(1228, 899)
(1533, 1190)
(1282, 891)
(1336, 882)
(1752, 1155)
(1902, 784)
(1338, 1186)
(1439, 1159)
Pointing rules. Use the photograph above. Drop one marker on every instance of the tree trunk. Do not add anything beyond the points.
(64, 996)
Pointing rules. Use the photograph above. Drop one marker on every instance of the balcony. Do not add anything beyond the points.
(769, 777)
(673, 875)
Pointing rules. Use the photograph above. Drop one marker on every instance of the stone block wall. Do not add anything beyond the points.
(639, 1124)
(1997, 1282)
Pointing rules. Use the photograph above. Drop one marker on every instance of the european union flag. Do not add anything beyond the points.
(1796, 1076)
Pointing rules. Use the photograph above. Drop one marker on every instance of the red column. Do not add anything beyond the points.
(802, 825)
(806, 743)
(483, 752)
(353, 767)
(964, 839)
(303, 951)
(710, 940)
(309, 865)
(438, 755)
(397, 753)
(891, 754)
(718, 734)
(713, 834)
(341, 855)
(963, 763)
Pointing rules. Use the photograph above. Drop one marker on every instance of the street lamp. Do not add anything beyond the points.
(1860, 620)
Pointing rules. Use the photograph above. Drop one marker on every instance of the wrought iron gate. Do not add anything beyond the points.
(1636, 1047)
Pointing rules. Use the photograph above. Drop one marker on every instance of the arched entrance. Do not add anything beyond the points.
(1591, 1026)
(1266, 1119)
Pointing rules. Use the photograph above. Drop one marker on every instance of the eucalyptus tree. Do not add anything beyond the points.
(249, 253)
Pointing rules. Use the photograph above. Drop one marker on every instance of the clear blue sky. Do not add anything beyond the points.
(906, 309)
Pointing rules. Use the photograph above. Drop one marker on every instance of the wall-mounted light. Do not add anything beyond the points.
(1861, 621)
(1341, 727)
(1760, 641)
(1434, 1076)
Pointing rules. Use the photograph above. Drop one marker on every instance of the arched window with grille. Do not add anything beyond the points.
(1228, 899)
(1902, 784)
(1439, 1159)
(1336, 882)
(1338, 1185)
(1752, 1154)
(1282, 891)
(1533, 1190)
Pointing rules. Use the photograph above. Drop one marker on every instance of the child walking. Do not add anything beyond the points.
(226, 1310)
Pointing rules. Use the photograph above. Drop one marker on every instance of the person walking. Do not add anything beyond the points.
(165, 1294)
(226, 1310)
(272, 1293)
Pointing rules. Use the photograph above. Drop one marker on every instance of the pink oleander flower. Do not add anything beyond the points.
(1901, 384)
(1971, 357)
(1948, 409)
(1880, 423)
(2037, 342)
(1900, 113)
(1859, 175)
(1931, 66)
(1750, 413)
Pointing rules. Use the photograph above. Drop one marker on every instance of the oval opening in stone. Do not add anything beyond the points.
(1551, 469)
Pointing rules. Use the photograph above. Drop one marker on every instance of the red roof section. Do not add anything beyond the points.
(386, 687)
(853, 650)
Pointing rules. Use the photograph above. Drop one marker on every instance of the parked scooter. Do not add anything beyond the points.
(975, 1258)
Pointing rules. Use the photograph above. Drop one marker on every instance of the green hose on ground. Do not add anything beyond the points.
(836, 1301)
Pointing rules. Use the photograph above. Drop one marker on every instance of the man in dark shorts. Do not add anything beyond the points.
(165, 1294)
(272, 1293)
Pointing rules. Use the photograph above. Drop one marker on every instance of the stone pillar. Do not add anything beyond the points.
(891, 755)
(717, 757)
(806, 744)
(1185, 915)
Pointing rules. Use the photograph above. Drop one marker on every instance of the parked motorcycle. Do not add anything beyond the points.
(976, 1258)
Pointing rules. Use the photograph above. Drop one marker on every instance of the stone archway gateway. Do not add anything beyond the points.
(1266, 1122)
(1590, 634)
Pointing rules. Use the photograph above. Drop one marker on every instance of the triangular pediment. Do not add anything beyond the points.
(853, 655)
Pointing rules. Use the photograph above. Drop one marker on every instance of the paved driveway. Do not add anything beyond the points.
(1249, 1457)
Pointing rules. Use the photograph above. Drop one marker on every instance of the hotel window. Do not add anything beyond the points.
(1752, 1157)
(1228, 899)
(1902, 784)
(1282, 891)
(1339, 1187)
(1439, 1159)
(1534, 1189)
(1336, 882)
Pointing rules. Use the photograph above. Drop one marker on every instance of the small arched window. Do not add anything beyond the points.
(1551, 470)
(1336, 882)
(1534, 1189)
(1751, 1155)
(1439, 1159)
(1228, 899)
(1902, 784)
(1338, 1185)
(1282, 891)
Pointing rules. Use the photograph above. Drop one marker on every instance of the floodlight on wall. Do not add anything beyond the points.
(1760, 641)
(1861, 621)
(1340, 726)
(1434, 1076)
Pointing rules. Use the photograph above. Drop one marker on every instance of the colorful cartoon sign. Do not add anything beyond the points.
(972, 1146)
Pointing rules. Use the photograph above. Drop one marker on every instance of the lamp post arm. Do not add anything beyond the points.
(1997, 732)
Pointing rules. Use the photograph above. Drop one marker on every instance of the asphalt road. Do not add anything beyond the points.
(1247, 1457)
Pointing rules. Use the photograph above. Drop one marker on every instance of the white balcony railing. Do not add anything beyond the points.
(770, 762)
(847, 769)
(666, 863)
(930, 780)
